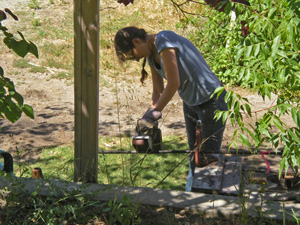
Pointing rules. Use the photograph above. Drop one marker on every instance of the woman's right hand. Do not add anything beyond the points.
(148, 119)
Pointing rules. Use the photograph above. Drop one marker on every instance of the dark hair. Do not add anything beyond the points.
(123, 43)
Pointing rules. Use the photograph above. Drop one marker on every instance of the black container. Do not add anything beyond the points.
(150, 142)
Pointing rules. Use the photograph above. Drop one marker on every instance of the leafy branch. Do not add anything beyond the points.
(11, 102)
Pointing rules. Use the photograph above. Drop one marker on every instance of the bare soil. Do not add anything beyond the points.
(53, 103)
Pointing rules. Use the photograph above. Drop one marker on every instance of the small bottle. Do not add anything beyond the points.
(37, 173)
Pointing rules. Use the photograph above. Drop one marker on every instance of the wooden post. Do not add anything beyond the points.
(86, 78)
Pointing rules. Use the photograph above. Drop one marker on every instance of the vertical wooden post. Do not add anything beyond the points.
(86, 78)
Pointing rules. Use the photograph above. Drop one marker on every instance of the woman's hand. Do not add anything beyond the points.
(152, 115)
(148, 119)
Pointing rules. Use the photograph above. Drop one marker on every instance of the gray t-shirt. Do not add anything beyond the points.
(197, 81)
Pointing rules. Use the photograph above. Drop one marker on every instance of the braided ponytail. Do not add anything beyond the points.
(144, 72)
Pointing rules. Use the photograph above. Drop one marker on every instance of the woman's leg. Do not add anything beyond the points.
(212, 131)
(191, 134)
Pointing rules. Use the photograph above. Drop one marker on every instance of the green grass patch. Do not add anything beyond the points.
(33, 4)
(38, 69)
(165, 171)
(56, 163)
(51, 29)
(63, 75)
(23, 63)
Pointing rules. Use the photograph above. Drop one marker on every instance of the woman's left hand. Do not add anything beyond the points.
(152, 115)
(148, 119)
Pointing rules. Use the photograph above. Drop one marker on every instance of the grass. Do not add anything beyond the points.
(23, 63)
(74, 208)
(48, 24)
(33, 4)
(142, 170)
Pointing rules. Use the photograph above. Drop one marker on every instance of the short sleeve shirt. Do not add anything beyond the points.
(197, 81)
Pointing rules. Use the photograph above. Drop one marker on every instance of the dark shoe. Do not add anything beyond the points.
(206, 160)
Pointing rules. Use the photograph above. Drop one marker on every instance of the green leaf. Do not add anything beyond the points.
(1, 71)
(256, 49)
(248, 75)
(231, 101)
(298, 115)
(228, 7)
(250, 133)
(296, 20)
(22, 36)
(7, 34)
(294, 116)
(228, 96)
(290, 35)
(3, 28)
(272, 12)
(244, 140)
(33, 49)
(225, 115)
(8, 42)
(248, 109)
(282, 53)
(12, 113)
(18, 98)
(239, 54)
(237, 107)
(282, 165)
(248, 51)
(281, 76)
(277, 122)
(241, 74)
(231, 116)
(293, 136)
(20, 47)
(28, 110)
(275, 45)
(218, 91)
(270, 63)
(218, 115)
(233, 143)
(297, 133)
(265, 50)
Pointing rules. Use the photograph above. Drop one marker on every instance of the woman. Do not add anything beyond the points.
(174, 58)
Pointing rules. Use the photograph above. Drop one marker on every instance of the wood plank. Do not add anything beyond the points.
(209, 178)
(86, 81)
(231, 175)
(255, 174)
(257, 162)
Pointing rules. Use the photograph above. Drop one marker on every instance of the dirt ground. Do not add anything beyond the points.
(53, 103)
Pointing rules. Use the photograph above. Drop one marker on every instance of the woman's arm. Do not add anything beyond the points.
(169, 59)
(158, 85)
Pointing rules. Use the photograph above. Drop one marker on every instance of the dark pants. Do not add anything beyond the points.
(211, 130)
